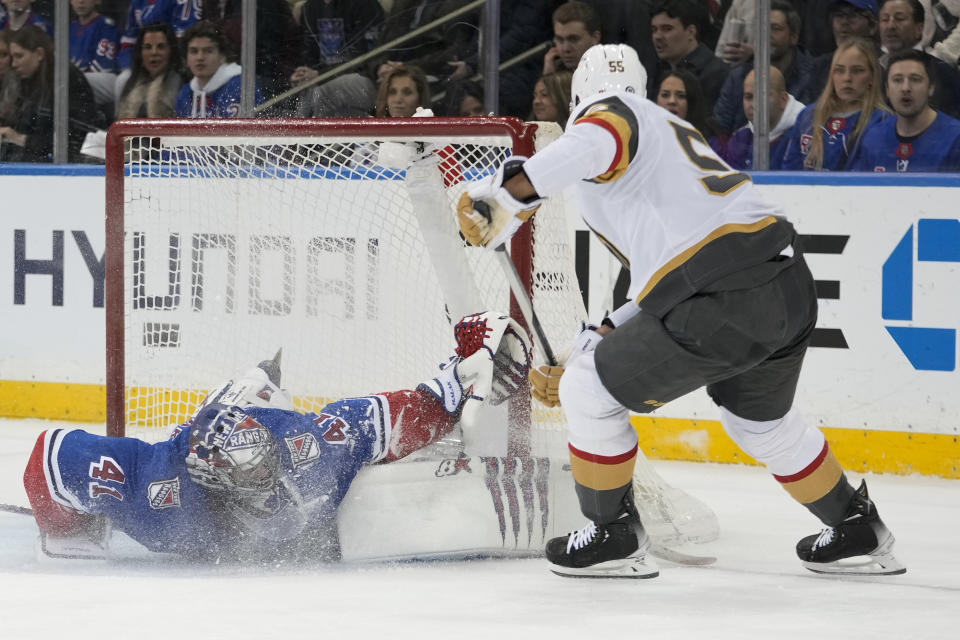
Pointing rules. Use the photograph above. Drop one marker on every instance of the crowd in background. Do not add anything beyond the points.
(868, 85)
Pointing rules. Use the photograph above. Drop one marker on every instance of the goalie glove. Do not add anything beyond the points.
(488, 215)
(545, 379)
(257, 387)
(491, 363)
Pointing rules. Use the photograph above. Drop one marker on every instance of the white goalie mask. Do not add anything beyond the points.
(608, 68)
(231, 451)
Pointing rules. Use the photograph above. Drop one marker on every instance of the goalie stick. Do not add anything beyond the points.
(13, 508)
(644, 478)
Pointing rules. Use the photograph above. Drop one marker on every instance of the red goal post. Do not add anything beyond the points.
(226, 239)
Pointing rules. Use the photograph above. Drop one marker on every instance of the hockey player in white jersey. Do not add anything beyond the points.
(720, 296)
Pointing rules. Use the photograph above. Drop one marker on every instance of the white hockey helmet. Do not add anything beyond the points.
(608, 67)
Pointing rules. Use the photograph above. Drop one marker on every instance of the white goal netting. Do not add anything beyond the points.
(336, 242)
(340, 247)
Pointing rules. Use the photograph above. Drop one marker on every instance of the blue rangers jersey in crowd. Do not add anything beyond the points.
(93, 46)
(936, 149)
(837, 144)
(219, 98)
(179, 14)
(33, 18)
(146, 492)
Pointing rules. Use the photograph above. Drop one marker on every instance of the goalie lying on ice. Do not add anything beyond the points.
(249, 478)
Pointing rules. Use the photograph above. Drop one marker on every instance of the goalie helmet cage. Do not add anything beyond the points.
(226, 239)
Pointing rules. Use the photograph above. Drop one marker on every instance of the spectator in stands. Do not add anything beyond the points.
(735, 44)
(792, 61)
(551, 98)
(402, 90)
(179, 14)
(464, 99)
(627, 22)
(523, 25)
(333, 32)
(675, 25)
(919, 138)
(30, 137)
(783, 110)
(94, 38)
(278, 39)
(816, 36)
(680, 94)
(214, 91)
(848, 19)
(576, 28)
(149, 88)
(9, 82)
(441, 53)
(827, 131)
(901, 27)
(20, 14)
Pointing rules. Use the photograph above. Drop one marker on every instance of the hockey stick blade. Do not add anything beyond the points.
(679, 557)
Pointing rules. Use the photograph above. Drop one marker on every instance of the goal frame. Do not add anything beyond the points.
(521, 134)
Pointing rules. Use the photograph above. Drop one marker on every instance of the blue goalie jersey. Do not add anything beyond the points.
(146, 492)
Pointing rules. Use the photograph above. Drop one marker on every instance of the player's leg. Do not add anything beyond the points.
(757, 413)
(64, 531)
(603, 450)
(649, 361)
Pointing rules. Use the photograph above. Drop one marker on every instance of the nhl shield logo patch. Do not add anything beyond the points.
(164, 494)
(303, 449)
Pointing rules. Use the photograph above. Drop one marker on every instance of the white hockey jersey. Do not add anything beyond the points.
(659, 198)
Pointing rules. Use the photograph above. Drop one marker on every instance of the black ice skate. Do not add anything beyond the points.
(860, 545)
(618, 549)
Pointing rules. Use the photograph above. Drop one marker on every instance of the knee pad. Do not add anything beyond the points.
(786, 445)
(597, 422)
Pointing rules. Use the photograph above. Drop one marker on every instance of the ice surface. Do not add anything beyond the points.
(757, 589)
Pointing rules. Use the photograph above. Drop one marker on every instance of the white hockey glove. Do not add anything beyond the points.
(492, 362)
(488, 214)
(545, 379)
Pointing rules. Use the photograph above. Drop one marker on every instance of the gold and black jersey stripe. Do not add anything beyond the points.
(727, 250)
(616, 117)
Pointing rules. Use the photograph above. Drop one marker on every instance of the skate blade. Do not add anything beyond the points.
(637, 568)
(875, 565)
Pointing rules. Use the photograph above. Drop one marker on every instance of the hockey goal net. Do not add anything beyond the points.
(336, 241)
(333, 240)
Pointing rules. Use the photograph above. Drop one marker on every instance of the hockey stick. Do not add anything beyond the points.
(13, 508)
(540, 340)
(525, 304)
